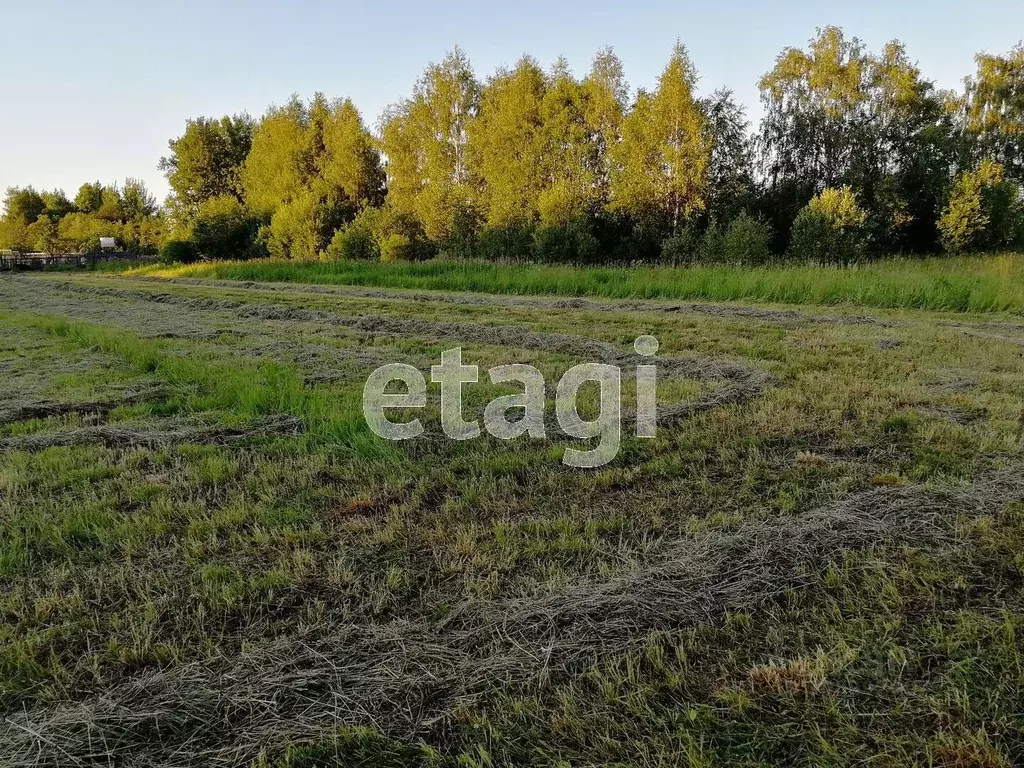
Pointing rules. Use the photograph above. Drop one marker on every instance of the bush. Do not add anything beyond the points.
(397, 247)
(512, 241)
(353, 244)
(571, 243)
(357, 240)
(747, 241)
(224, 229)
(984, 212)
(830, 229)
(683, 248)
(399, 235)
(712, 245)
(178, 252)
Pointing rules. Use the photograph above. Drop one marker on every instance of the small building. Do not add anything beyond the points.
(108, 244)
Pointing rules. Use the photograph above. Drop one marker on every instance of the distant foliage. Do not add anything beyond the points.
(206, 162)
(684, 248)
(712, 245)
(568, 243)
(396, 247)
(49, 222)
(355, 241)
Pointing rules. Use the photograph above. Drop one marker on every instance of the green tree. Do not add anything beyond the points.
(23, 205)
(57, 204)
(44, 235)
(426, 142)
(730, 168)
(995, 109)
(311, 168)
(605, 95)
(224, 229)
(984, 211)
(206, 162)
(110, 205)
(82, 231)
(662, 161)
(838, 115)
(89, 197)
(506, 143)
(575, 125)
(830, 228)
(350, 163)
(136, 200)
(276, 168)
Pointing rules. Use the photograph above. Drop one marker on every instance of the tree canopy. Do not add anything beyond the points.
(538, 163)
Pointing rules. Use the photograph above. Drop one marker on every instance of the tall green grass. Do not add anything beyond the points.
(967, 284)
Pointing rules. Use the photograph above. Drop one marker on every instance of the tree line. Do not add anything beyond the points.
(857, 155)
(51, 223)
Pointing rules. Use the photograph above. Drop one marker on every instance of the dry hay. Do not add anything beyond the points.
(45, 409)
(453, 331)
(785, 317)
(962, 416)
(955, 385)
(888, 343)
(129, 437)
(407, 678)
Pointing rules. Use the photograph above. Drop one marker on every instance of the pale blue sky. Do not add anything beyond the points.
(93, 90)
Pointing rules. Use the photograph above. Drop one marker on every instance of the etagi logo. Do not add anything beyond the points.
(452, 374)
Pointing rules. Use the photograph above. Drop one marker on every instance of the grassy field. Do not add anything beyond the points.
(969, 284)
(207, 559)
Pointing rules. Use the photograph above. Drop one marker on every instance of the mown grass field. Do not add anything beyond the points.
(968, 284)
(208, 560)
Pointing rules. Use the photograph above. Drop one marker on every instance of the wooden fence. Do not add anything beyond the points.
(26, 261)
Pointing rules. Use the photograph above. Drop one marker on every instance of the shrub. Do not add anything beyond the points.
(224, 229)
(397, 247)
(511, 241)
(830, 228)
(356, 241)
(747, 241)
(411, 241)
(984, 211)
(293, 232)
(813, 237)
(571, 243)
(712, 245)
(178, 252)
(683, 248)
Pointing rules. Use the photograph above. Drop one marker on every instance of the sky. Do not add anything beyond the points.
(94, 91)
